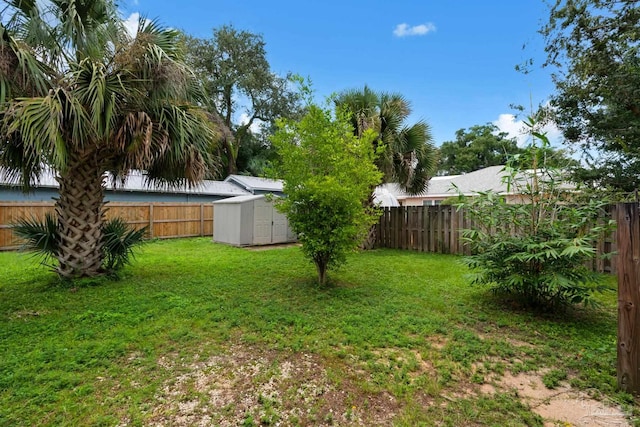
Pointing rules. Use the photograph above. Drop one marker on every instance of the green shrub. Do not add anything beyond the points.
(328, 174)
(119, 240)
(538, 248)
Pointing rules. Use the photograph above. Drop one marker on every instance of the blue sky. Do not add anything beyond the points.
(454, 61)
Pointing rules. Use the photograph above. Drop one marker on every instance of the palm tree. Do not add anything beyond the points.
(406, 155)
(81, 97)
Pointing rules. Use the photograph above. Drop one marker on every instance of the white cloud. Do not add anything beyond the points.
(404, 30)
(255, 126)
(517, 129)
(131, 23)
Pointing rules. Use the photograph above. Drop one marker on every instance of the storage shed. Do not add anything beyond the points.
(249, 220)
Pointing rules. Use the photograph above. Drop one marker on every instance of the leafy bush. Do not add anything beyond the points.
(538, 247)
(328, 175)
(118, 240)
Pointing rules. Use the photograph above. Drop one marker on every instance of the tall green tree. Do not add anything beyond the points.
(328, 174)
(81, 97)
(405, 152)
(238, 80)
(478, 147)
(483, 145)
(408, 157)
(594, 47)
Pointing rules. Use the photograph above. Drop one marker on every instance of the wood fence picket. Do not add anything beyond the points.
(438, 229)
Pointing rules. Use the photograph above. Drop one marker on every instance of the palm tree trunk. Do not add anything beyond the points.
(370, 241)
(80, 210)
(372, 236)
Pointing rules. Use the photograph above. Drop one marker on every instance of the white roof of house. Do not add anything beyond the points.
(47, 179)
(254, 183)
(487, 179)
(136, 181)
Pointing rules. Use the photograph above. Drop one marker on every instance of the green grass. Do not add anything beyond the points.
(91, 353)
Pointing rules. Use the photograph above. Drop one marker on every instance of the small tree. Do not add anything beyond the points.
(536, 249)
(328, 173)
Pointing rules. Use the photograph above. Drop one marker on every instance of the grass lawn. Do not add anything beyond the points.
(199, 333)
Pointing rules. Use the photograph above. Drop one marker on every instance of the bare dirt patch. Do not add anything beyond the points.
(261, 387)
(563, 405)
(26, 314)
(246, 385)
(437, 342)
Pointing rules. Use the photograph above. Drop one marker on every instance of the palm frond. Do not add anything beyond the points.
(40, 237)
(190, 156)
(50, 125)
(21, 73)
(102, 94)
(165, 38)
(85, 28)
(134, 139)
(119, 241)
(408, 157)
(20, 165)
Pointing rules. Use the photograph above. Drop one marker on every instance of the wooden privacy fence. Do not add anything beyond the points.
(438, 229)
(628, 363)
(164, 220)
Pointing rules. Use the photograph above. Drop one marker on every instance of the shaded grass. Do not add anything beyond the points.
(88, 353)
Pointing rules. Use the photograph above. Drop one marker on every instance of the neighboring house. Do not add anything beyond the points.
(135, 189)
(469, 184)
(255, 185)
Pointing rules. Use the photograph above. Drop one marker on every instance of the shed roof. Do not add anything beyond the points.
(254, 183)
(239, 199)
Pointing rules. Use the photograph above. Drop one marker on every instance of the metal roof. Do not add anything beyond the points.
(481, 180)
(468, 184)
(239, 199)
(136, 182)
(254, 183)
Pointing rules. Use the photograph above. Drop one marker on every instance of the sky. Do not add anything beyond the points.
(453, 60)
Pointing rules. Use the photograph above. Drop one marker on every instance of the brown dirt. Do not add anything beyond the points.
(562, 406)
(268, 387)
(284, 388)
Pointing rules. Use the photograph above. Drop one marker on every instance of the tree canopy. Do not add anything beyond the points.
(241, 89)
(408, 156)
(482, 146)
(594, 47)
(478, 147)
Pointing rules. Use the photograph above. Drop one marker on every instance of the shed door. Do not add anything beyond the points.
(262, 222)
(280, 227)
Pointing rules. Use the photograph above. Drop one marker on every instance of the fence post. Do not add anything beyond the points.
(151, 220)
(201, 219)
(628, 297)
